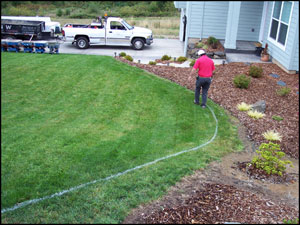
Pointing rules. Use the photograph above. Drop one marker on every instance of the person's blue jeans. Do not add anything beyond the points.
(203, 83)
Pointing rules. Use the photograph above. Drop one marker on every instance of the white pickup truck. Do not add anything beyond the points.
(112, 31)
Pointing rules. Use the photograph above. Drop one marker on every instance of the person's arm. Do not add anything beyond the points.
(194, 70)
(192, 74)
(213, 71)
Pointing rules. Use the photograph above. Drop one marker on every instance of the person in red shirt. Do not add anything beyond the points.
(205, 67)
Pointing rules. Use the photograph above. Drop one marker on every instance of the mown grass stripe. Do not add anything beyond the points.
(23, 204)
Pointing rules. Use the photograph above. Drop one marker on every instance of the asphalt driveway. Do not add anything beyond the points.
(159, 47)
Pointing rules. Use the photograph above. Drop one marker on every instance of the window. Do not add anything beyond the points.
(280, 22)
(114, 25)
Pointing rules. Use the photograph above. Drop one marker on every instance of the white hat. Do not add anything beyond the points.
(201, 52)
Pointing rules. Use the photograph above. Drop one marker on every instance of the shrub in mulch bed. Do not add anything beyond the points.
(218, 203)
(260, 174)
(167, 61)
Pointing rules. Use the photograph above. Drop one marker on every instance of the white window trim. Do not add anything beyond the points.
(271, 40)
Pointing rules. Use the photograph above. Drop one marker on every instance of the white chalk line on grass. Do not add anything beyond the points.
(23, 204)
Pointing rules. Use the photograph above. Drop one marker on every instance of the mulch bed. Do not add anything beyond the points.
(223, 92)
(217, 204)
(260, 174)
(219, 47)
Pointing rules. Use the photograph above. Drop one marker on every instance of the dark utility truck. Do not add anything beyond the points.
(25, 30)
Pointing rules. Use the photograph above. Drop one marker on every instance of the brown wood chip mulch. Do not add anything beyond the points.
(260, 174)
(218, 203)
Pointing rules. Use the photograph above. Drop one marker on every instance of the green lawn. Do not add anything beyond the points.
(70, 119)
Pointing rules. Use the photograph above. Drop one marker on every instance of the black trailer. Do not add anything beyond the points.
(24, 30)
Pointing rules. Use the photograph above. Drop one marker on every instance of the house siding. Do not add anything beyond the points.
(195, 17)
(250, 18)
(295, 64)
(295, 54)
(207, 19)
(180, 4)
(288, 56)
(215, 19)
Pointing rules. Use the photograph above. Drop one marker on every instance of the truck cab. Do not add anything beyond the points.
(112, 31)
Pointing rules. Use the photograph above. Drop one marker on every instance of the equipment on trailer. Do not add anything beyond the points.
(13, 45)
(24, 30)
(27, 46)
(40, 46)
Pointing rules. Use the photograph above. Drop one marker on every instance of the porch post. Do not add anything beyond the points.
(232, 24)
(181, 25)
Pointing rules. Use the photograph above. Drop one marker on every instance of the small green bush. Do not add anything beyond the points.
(212, 41)
(293, 221)
(122, 54)
(181, 59)
(129, 58)
(205, 47)
(278, 118)
(193, 62)
(241, 81)
(255, 71)
(59, 13)
(283, 91)
(199, 45)
(67, 12)
(93, 7)
(152, 63)
(269, 159)
(165, 57)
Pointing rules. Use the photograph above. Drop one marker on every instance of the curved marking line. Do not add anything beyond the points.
(22, 204)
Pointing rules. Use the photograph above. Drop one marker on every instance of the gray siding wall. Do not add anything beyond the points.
(295, 65)
(250, 18)
(295, 54)
(180, 4)
(208, 18)
(215, 19)
(288, 57)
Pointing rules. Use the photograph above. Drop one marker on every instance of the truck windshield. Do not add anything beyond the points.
(127, 25)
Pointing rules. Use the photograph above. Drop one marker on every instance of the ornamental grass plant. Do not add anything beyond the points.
(244, 107)
(255, 114)
(272, 135)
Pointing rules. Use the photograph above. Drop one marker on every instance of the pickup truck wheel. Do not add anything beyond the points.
(82, 43)
(138, 44)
